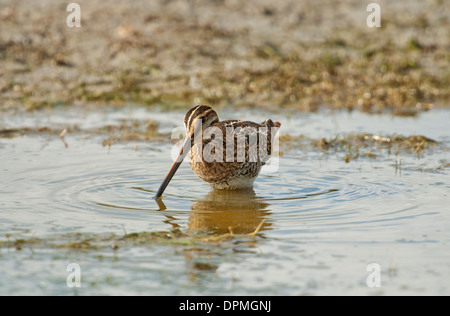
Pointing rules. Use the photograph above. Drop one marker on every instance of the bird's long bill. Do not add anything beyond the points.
(183, 152)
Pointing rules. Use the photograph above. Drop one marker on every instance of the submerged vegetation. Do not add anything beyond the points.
(353, 145)
(356, 145)
(92, 241)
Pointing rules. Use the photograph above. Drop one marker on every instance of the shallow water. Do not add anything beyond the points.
(325, 220)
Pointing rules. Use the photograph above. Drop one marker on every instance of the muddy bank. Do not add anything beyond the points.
(298, 54)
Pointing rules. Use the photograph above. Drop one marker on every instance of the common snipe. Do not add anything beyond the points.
(224, 154)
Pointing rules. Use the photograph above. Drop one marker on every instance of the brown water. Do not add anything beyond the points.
(324, 220)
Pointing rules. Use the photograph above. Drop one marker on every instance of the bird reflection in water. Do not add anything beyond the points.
(222, 211)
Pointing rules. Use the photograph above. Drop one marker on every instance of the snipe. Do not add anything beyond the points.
(224, 154)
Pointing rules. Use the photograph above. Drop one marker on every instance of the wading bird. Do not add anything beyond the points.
(224, 154)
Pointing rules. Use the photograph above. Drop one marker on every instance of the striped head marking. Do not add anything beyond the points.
(205, 114)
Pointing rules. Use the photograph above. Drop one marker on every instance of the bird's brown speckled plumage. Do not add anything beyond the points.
(236, 172)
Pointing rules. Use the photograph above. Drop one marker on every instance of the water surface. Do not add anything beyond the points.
(324, 220)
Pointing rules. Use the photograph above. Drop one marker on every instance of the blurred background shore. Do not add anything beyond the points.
(303, 55)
